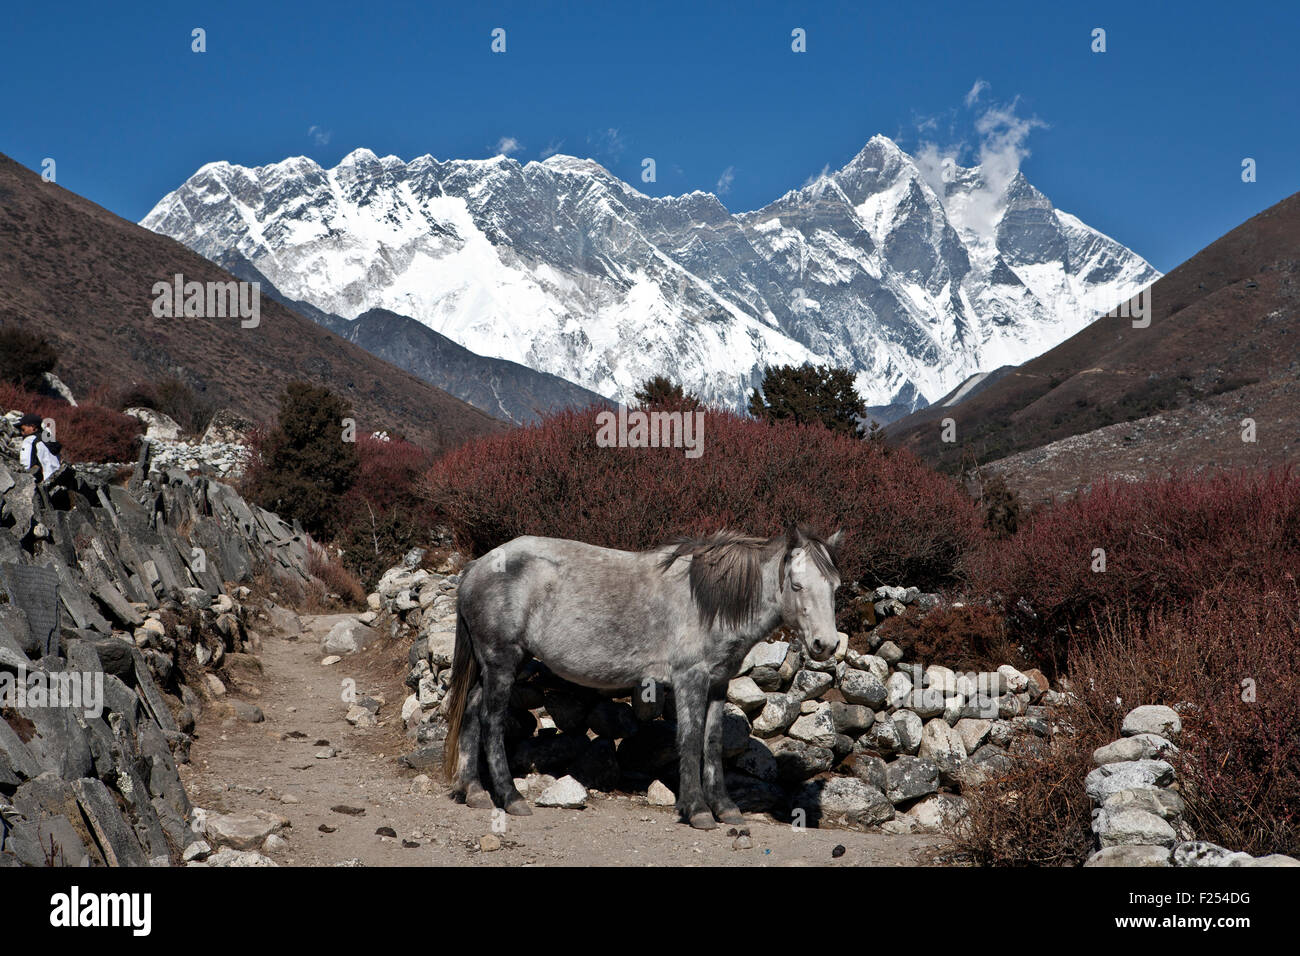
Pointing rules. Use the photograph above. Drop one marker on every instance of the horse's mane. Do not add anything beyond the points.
(726, 569)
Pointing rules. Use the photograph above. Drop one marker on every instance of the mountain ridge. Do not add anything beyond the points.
(911, 278)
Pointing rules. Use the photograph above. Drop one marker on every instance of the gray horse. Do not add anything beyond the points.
(685, 614)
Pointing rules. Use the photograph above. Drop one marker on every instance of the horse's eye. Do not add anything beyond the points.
(796, 587)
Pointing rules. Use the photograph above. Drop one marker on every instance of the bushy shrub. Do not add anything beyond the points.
(385, 512)
(87, 432)
(1165, 542)
(25, 358)
(967, 638)
(301, 467)
(337, 579)
(903, 523)
(1036, 813)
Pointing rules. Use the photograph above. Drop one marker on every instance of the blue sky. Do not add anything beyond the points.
(1144, 141)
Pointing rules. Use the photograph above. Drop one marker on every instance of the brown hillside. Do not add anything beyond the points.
(1224, 334)
(83, 277)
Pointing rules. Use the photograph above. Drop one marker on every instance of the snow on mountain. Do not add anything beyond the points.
(914, 280)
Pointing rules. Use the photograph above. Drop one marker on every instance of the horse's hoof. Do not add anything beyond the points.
(703, 821)
(479, 800)
(732, 816)
(519, 808)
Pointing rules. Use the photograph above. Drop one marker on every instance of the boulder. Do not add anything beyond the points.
(347, 637)
(1201, 853)
(1138, 747)
(1129, 856)
(1129, 826)
(844, 799)
(1127, 775)
(910, 777)
(242, 831)
(1154, 719)
(566, 793)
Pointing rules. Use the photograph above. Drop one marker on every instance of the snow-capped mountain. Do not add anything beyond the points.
(914, 278)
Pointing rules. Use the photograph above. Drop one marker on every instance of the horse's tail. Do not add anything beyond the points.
(464, 674)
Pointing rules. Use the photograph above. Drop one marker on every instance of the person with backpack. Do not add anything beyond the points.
(38, 456)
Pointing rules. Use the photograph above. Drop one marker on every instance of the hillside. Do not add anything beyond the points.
(84, 278)
(1221, 346)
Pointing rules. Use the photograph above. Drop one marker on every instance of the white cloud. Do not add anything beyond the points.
(507, 145)
(320, 136)
(607, 142)
(817, 177)
(1003, 135)
(725, 180)
(551, 148)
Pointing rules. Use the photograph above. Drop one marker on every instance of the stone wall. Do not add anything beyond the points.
(121, 615)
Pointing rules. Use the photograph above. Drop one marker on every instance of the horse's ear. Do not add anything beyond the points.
(835, 539)
(793, 536)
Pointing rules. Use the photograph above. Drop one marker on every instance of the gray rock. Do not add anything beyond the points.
(1166, 804)
(797, 761)
(973, 731)
(909, 727)
(1129, 856)
(938, 813)
(746, 695)
(845, 799)
(863, 687)
(1201, 853)
(817, 728)
(889, 652)
(1127, 775)
(778, 714)
(566, 793)
(1152, 719)
(1138, 747)
(941, 742)
(910, 777)
(851, 719)
(808, 684)
(757, 761)
(1132, 827)
(347, 637)
(899, 689)
(242, 831)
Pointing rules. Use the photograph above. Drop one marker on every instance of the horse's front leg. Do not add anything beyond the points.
(715, 787)
(691, 693)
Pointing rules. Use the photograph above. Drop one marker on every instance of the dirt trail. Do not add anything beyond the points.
(273, 765)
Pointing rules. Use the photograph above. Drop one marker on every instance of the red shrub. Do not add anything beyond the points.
(1166, 541)
(88, 432)
(902, 521)
(1230, 663)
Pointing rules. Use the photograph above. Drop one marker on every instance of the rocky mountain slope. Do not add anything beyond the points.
(84, 278)
(1221, 349)
(913, 277)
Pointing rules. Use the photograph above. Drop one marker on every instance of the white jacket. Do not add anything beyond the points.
(49, 463)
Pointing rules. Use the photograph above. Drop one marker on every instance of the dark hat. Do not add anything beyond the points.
(31, 418)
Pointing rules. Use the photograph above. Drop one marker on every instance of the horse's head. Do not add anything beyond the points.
(809, 577)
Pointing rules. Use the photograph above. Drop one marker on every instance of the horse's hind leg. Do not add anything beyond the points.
(467, 780)
(715, 788)
(498, 681)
